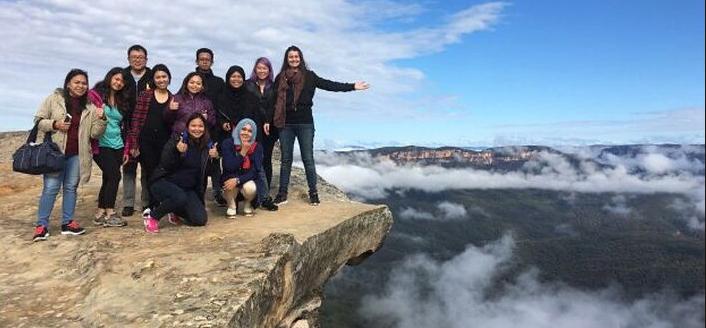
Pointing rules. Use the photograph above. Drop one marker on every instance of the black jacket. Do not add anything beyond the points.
(135, 92)
(266, 100)
(234, 105)
(214, 85)
(172, 158)
(305, 102)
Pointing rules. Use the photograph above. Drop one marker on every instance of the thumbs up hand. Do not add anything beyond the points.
(182, 146)
(213, 152)
(173, 105)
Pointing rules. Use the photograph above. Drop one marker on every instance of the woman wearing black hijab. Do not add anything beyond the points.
(236, 103)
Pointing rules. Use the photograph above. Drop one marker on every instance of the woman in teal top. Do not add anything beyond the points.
(112, 93)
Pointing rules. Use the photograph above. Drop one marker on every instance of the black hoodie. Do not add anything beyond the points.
(234, 105)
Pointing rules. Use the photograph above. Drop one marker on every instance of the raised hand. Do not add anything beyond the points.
(213, 152)
(173, 105)
(181, 146)
(361, 85)
(100, 112)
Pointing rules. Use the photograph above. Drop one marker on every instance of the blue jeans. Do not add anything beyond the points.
(67, 180)
(305, 134)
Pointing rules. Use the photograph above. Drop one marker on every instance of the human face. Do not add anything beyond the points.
(246, 133)
(293, 58)
(161, 80)
(204, 61)
(116, 82)
(137, 60)
(196, 128)
(77, 85)
(236, 80)
(262, 71)
(195, 84)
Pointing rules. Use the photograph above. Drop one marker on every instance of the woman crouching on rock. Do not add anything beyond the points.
(242, 170)
(178, 183)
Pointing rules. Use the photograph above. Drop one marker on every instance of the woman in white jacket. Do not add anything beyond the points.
(73, 121)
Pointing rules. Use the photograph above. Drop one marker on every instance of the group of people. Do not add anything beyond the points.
(222, 129)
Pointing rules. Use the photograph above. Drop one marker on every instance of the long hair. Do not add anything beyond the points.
(159, 68)
(67, 96)
(302, 64)
(270, 77)
(203, 141)
(120, 96)
(184, 90)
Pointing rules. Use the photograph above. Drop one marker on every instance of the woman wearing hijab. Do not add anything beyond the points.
(242, 169)
(294, 93)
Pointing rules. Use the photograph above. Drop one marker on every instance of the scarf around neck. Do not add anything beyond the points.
(296, 77)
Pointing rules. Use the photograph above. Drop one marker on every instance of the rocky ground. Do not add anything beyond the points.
(263, 271)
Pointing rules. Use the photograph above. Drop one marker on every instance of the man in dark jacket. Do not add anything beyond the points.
(137, 76)
(214, 86)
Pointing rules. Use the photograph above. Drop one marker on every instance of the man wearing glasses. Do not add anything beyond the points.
(137, 75)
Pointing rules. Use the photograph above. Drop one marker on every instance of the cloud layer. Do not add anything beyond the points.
(454, 294)
(651, 170)
(341, 40)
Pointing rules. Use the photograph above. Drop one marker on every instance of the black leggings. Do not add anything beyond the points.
(150, 153)
(109, 161)
(174, 199)
(269, 143)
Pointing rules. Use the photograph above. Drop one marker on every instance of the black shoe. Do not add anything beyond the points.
(220, 201)
(40, 233)
(280, 199)
(314, 199)
(72, 228)
(128, 211)
(269, 205)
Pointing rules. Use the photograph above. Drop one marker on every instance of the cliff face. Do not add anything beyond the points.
(264, 271)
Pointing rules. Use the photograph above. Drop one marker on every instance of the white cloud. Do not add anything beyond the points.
(373, 178)
(452, 210)
(414, 214)
(618, 206)
(454, 294)
(340, 39)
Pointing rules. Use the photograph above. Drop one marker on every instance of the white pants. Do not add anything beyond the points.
(248, 190)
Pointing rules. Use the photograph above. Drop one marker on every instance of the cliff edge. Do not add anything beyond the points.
(263, 271)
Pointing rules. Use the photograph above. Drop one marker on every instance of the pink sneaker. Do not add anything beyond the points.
(151, 225)
(173, 219)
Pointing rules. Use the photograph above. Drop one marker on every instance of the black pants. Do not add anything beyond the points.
(174, 199)
(150, 153)
(214, 171)
(269, 143)
(109, 161)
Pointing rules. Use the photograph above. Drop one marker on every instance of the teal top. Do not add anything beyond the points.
(112, 138)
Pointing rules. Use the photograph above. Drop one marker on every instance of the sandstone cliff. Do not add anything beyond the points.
(263, 271)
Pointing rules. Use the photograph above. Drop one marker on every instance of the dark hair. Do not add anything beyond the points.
(136, 47)
(121, 97)
(270, 77)
(206, 50)
(302, 64)
(67, 96)
(201, 142)
(184, 90)
(155, 69)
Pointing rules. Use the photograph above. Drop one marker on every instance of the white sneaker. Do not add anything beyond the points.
(247, 209)
(231, 213)
(146, 213)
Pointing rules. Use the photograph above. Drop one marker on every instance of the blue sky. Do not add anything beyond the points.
(442, 72)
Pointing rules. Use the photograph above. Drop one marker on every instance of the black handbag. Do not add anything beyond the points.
(34, 158)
